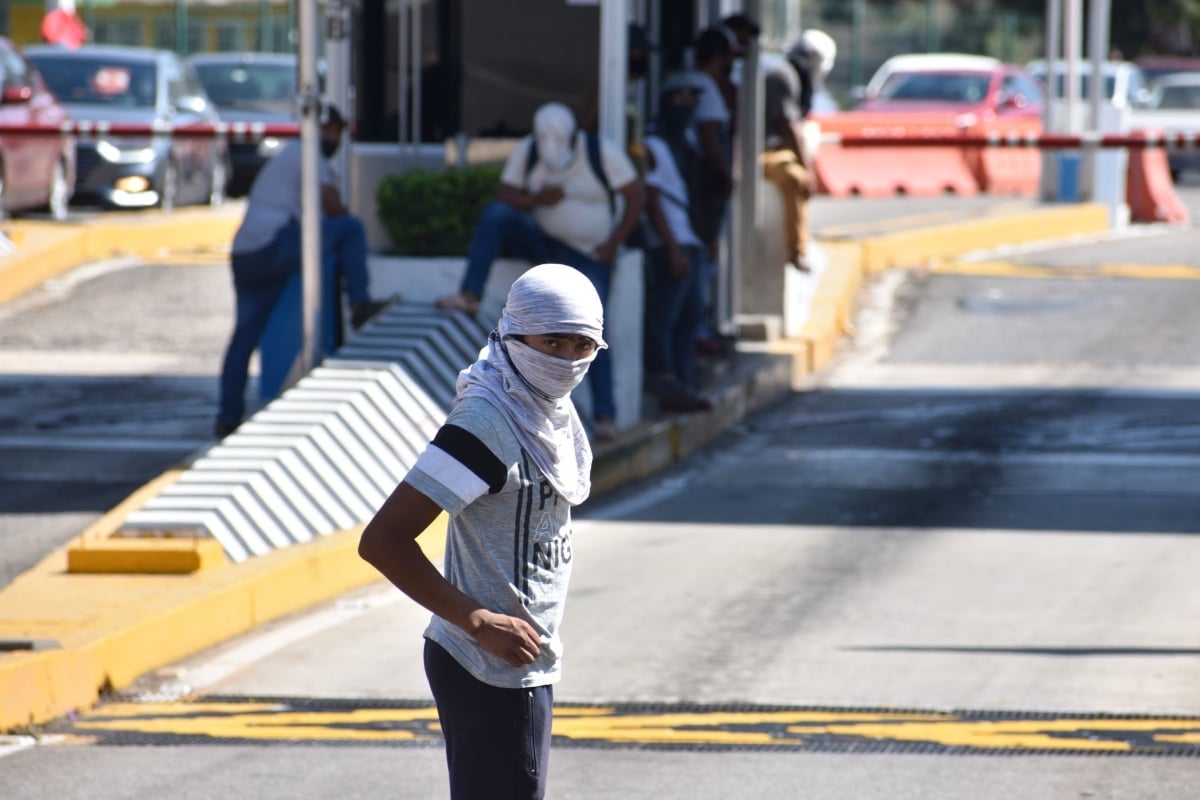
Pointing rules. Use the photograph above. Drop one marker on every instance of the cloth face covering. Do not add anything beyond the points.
(553, 378)
(554, 131)
(550, 298)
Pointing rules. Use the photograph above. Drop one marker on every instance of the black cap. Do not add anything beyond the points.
(742, 23)
(710, 43)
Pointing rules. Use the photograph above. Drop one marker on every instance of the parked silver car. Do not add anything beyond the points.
(133, 85)
(250, 87)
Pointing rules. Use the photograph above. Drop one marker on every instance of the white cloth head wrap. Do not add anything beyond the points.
(549, 298)
(554, 129)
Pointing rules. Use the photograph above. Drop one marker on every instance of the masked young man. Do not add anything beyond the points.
(508, 465)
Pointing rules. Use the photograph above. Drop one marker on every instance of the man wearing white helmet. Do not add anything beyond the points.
(787, 158)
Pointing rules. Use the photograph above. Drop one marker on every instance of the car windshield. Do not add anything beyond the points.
(99, 81)
(1177, 97)
(1085, 82)
(249, 86)
(936, 86)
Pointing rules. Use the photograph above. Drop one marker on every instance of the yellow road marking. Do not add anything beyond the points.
(1008, 269)
(785, 728)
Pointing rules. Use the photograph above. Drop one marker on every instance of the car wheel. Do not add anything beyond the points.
(220, 177)
(60, 192)
(169, 192)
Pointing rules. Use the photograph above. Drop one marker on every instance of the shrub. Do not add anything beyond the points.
(433, 212)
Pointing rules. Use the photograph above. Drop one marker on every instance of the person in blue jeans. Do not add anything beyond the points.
(674, 301)
(266, 256)
(555, 204)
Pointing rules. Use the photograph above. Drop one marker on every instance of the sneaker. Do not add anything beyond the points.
(223, 429)
(801, 262)
(685, 401)
(363, 312)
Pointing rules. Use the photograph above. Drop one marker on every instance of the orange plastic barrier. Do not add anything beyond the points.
(1149, 190)
(875, 171)
(1002, 169)
(1010, 170)
(883, 171)
(923, 169)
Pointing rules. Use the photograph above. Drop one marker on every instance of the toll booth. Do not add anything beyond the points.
(433, 79)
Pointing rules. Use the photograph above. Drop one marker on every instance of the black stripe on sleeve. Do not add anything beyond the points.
(473, 454)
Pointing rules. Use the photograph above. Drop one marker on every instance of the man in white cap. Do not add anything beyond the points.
(555, 204)
(508, 465)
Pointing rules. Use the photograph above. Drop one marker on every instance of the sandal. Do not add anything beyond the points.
(458, 302)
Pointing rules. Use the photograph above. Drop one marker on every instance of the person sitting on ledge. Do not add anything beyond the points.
(556, 204)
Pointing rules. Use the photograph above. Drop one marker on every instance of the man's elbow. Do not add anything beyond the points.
(370, 546)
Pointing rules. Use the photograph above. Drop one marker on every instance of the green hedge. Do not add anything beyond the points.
(433, 212)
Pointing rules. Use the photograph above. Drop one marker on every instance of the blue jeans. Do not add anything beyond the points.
(506, 231)
(343, 248)
(674, 312)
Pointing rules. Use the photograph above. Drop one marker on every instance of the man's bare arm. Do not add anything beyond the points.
(389, 543)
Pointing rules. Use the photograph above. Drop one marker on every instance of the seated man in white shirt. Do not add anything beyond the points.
(555, 205)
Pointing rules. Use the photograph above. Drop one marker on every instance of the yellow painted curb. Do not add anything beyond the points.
(922, 246)
(180, 230)
(146, 556)
(47, 249)
(44, 252)
(113, 628)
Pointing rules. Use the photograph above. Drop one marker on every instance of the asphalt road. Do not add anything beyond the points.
(977, 530)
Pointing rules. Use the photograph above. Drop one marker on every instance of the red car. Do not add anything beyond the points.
(935, 95)
(974, 90)
(37, 171)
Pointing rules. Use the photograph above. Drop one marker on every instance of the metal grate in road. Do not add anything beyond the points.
(325, 454)
(668, 726)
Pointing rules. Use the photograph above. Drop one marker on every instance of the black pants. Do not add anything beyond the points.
(497, 740)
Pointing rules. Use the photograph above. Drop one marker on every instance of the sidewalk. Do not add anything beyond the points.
(69, 632)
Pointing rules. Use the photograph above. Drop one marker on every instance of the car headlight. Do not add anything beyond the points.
(128, 155)
(269, 146)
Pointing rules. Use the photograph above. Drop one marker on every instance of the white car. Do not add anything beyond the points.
(923, 62)
(1174, 107)
(1124, 83)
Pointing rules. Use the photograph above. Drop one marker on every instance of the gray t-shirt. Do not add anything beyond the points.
(508, 545)
(274, 199)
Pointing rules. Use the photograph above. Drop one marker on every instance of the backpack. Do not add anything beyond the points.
(706, 206)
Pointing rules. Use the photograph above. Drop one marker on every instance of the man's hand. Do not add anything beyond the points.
(511, 639)
(606, 252)
(548, 196)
